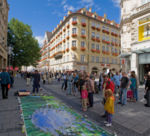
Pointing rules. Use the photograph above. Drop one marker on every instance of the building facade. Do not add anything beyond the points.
(4, 8)
(83, 41)
(135, 36)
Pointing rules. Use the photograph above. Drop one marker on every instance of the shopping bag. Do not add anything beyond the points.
(8, 86)
(130, 94)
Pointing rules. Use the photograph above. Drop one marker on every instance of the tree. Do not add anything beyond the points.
(26, 50)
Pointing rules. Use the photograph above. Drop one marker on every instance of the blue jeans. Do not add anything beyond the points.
(135, 93)
(69, 88)
(109, 117)
(123, 96)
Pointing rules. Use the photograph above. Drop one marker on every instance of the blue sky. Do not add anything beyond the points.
(44, 15)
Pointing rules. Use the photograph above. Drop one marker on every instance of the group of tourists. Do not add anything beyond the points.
(113, 85)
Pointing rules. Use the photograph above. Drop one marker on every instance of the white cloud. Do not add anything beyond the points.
(116, 3)
(40, 40)
(87, 3)
(68, 7)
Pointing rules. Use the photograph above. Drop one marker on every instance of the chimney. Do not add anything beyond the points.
(112, 22)
(90, 9)
(105, 16)
(64, 17)
(69, 12)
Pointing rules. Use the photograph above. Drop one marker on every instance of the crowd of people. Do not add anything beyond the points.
(114, 85)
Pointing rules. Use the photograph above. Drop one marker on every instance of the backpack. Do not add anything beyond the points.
(111, 85)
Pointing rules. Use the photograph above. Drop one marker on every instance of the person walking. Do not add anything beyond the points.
(28, 78)
(36, 82)
(90, 88)
(133, 86)
(125, 83)
(70, 79)
(84, 95)
(5, 83)
(147, 89)
(44, 78)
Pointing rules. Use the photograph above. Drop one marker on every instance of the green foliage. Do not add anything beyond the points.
(26, 50)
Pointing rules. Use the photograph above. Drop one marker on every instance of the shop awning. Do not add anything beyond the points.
(123, 55)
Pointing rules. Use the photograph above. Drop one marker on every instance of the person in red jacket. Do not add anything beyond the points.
(107, 84)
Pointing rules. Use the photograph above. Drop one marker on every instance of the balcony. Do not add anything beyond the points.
(83, 36)
(93, 27)
(58, 55)
(74, 35)
(64, 40)
(98, 29)
(93, 50)
(93, 39)
(112, 43)
(67, 50)
(97, 39)
(64, 29)
(67, 37)
(97, 51)
(68, 26)
(114, 34)
(104, 41)
(143, 7)
(83, 24)
(73, 48)
(74, 22)
(105, 31)
(82, 48)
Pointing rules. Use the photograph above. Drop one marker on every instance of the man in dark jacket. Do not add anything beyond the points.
(36, 81)
(4, 80)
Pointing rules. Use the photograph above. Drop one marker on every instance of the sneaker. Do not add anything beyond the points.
(108, 125)
(105, 122)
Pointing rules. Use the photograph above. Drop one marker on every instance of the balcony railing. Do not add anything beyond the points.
(143, 7)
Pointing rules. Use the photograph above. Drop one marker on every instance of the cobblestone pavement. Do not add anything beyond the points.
(130, 120)
(10, 119)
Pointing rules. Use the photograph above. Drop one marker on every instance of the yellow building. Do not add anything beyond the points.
(83, 41)
(4, 8)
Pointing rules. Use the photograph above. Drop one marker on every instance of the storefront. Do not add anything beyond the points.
(144, 66)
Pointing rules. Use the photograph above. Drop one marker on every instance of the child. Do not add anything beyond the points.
(109, 107)
(84, 95)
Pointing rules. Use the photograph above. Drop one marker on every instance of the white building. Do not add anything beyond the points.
(135, 36)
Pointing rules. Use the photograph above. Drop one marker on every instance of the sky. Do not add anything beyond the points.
(44, 15)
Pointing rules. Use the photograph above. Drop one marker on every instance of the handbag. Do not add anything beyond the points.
(8, 86)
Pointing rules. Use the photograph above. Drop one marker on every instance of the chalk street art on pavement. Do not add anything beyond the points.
(46, 116)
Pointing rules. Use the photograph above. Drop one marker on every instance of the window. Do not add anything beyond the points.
(97, 59)
(64, 36)
(82, 44)
(82, 58)
(103, 38)
(74, 19)
(83, 32)
(68, 33)
(92, 58)
(74, 43)
(97, 36)
(64, 47)
(74, 30)
(67, 44)
(103, 48)
(103, 60)
(98, 25)
(104, 28)
(93, 24)
(67, 57)
(107, 60)
(93, 34)
(93, 46)
(107, 38)
(97, 47)
(112, 49)
(115, 50)
(83, 20)
(107, 49)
